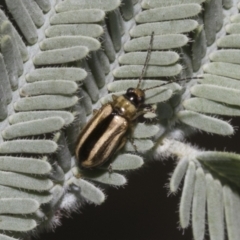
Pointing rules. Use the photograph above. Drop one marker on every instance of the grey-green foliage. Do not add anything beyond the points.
(211, 186)
(52, 80)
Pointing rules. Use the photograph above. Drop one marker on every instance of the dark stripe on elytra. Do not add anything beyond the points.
(105, 146)
(93, 138)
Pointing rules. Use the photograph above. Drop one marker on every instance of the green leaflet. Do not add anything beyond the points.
(105, 177)
(24, 181)
(229, 56)
(199, 47)
(187, 195)
(142, 130)
(34, 127)
(133, 71)
(215, 208)
(35, 12)
(199, 205)
(21, 45)
(126, 162)
(63, 154)
(4, 81)
(171, 27)
(70, 41)
(10, 61)
(161, 3)
(210, 20)
(68, 74)
(60, 56)
(203, 122)
(156, 58)
(141, 144)
(225, 164)
(106, 5)
(28, 146)
(12, 193)
(45, 102)
(24, 22)
(89, 191)
(18, 206)
(97, 70)
(86, 102)
(24, 165)
(37, 115)
(127, 9)
(168, 13)
(161, 42)
(235, 18)
(155, 95)
(89, 30)
(9, 223)
(207, 106)
(227, 4)
(230, 41)
(7, 29)
(178, 174)
(220, 81)
(216, 93)
(223, 69)
(200, 189)
(78, 16)
(219, 15)
(49, 87)
(233, 28)
(232, 206)
(115, 29)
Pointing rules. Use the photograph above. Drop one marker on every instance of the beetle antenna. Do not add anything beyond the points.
(147, 60)
(172, 81)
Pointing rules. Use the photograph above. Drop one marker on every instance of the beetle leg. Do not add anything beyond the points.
(146, 106)
(132, 142)
(138, 114)
(149, 108)
(110, 169)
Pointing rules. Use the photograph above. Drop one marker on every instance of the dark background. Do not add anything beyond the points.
(141, 210)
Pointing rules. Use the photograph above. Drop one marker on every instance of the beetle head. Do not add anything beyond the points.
(136, 96)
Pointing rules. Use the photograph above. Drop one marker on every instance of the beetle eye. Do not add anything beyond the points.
(133, 98)
(130, 90)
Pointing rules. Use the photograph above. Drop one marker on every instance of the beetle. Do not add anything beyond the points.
(106, 132)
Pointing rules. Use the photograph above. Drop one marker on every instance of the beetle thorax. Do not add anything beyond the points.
(124, 107)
